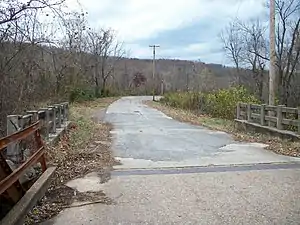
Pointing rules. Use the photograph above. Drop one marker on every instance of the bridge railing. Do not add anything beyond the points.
(280, 117)
(10, 184)
(50, 120)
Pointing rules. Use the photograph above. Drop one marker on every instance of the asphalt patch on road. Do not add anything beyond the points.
(208, 169)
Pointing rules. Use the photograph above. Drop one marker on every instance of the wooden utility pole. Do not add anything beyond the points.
(162, 87)
(153, 74)
(272, 71)
(187, 79)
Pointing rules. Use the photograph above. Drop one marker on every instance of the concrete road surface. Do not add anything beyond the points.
(177, 173)
(145, 137)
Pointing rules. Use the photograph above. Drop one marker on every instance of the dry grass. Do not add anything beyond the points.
(84, 149)
(284, 147)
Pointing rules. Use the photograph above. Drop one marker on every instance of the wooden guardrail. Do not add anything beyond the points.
(22, 154)
(51, 118)
(281, 117)
(10, 185)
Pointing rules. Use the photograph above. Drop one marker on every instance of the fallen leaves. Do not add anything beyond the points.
(83, 149)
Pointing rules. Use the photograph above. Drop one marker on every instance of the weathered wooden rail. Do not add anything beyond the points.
(9, 179)
(50, 118)
(22, 152)
(280, 117)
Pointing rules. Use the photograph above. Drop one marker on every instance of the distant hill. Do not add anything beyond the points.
(176, 74)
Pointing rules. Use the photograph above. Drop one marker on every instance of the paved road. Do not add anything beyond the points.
(176, 173)
(145, 137)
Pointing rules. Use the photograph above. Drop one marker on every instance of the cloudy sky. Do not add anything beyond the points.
(185, 29)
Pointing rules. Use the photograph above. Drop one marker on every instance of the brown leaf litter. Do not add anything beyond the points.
(85, 148)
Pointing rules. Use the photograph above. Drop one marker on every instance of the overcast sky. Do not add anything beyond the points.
(185, 29)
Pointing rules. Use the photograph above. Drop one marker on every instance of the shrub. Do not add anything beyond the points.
(221, 103)
(80, 94)
(184, 100)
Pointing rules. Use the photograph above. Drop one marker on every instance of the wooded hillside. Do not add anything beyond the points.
(48, 53)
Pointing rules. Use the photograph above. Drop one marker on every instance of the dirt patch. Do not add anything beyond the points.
(283, 147)
(85, 148)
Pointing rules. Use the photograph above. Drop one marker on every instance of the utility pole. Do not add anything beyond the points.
(153, 74)
(162, 87)
(272, 71)
(187, 79)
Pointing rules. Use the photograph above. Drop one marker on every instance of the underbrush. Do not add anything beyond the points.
(220, 104)
(90, 94)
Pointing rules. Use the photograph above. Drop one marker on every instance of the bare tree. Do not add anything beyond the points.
(70, 62)
(13, 10)
(45, 49)
(21, 42)
(233, 44)
(245, 44)
(288, 53)
(106, 51)
(255, 52)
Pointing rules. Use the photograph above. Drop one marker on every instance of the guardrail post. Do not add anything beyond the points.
(262, 114)
(35, 115)
(13, 151)
(249, 112)
(279, 117)
(238, 110)
(58, 115)
(53, 119)
(66, 111)
(63, 109)
(46, 121)
(21, 123)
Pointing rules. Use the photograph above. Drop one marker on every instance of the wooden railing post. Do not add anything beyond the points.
(13, 152)
(238, 110)
(262, 114)
(249, 112)
(279, 117)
